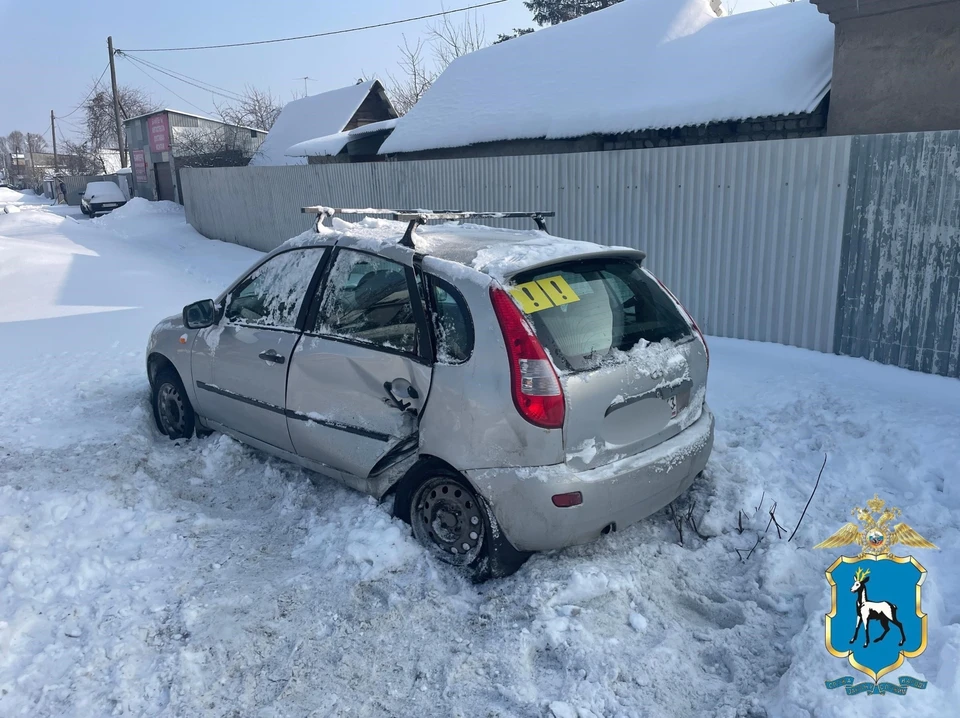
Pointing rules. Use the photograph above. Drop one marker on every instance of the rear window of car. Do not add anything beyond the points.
(585, 311)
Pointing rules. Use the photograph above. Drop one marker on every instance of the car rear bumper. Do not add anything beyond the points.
(620, 493)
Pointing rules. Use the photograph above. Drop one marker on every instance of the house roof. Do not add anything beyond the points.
(638, 65)
(334, 144)
(192, 114)
(315, 116)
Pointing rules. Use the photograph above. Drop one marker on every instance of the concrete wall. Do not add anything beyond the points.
(896, 65)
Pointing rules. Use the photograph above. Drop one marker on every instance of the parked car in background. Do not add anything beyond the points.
(516, 392)
(100, 198)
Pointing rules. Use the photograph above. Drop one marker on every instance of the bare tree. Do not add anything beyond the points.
(422, 63)
(415, 77)
(36, 143)
(451, 40)
(77, 158)
(218, 147)
(99, 124)
(256, 108)
(16, 141)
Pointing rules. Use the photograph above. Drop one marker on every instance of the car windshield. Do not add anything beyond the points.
(585, 311)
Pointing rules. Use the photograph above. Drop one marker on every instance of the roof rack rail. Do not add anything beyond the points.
(416, 217)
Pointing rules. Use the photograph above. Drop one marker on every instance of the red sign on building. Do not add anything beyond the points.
(158, 128)
(139, 165)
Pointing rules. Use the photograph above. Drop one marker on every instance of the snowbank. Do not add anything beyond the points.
(641, 64)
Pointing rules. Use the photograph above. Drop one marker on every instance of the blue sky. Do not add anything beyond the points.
(50, 59)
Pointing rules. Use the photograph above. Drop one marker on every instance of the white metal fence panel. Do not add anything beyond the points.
(748, 235)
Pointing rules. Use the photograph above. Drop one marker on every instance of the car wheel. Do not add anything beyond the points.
(447, 518)
(171, 407)
(83, 209)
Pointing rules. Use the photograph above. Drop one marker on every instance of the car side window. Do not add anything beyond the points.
(272, 295)
(452, 323)
(367, 299)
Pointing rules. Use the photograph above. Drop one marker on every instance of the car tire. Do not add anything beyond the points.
(455, 524)
(83, 210)
(171, 407)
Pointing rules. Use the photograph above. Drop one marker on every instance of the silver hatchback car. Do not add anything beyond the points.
(514, 391)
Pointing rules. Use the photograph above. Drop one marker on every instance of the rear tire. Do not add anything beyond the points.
(455, 524)
(171, 408)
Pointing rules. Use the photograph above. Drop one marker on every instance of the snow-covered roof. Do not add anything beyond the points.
(315, 116)
(334, 144)
(641, 64)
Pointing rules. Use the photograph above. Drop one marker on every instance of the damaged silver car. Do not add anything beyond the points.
(514, 391)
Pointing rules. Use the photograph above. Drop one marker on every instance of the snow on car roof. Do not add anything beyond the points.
(495, 251)
(105, 190)
(639, 65)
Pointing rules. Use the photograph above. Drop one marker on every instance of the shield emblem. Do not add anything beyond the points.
(875, 619)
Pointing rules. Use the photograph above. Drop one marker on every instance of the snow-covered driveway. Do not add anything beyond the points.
(143, 578)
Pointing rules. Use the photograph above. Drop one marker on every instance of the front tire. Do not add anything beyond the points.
(171, 408)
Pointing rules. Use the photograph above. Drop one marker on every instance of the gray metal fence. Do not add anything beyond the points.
(748, 235)
(900, 285)
(845, 244)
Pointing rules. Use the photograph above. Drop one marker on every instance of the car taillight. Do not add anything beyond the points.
(536, 390)
(689, 317)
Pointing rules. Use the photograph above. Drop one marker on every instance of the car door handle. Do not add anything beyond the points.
(271, 356)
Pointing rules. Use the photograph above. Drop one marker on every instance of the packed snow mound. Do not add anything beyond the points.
(641, 64)
(11, 209)
(140, 207)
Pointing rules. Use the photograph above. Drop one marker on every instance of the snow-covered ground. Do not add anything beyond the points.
(143, 578)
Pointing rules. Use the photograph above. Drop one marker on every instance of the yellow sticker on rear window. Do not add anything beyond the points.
(531, 297)
(558, 290)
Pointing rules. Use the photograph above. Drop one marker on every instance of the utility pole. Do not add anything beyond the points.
(53, 133)
(116, 102)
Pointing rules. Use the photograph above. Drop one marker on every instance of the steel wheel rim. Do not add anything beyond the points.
(447, 518)
(171, 410)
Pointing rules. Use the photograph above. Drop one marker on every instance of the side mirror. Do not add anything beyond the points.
(200, 314)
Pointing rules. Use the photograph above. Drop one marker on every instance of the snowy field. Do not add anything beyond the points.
(143, 578)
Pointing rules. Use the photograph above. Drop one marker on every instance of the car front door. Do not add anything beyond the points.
(362, 371)
(240, 364)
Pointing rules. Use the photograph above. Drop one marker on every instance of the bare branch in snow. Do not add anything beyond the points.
(822, 467)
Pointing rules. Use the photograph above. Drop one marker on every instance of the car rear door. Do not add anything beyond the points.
(632, 367)
(362, 371)
(240, 364)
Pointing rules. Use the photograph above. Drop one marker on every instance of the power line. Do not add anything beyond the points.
(206, 112)
(232, 97)
(202, 84)
(89, 94)
(323, 34)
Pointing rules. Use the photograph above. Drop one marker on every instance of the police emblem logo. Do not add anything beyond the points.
(875, 618)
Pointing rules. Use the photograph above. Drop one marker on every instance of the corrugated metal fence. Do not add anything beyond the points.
(845, 244)
(748, 235)
(900, 284)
